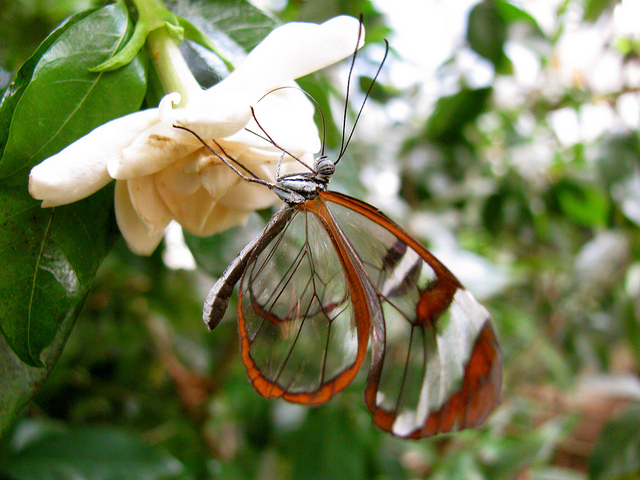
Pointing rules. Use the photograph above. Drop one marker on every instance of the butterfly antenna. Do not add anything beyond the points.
(346, 97)
(345, 143)
(231, 162)
(310, 97)
(272, 141)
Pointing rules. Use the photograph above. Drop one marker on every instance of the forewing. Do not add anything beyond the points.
(436, 364)
(217, 301)
(303, 339)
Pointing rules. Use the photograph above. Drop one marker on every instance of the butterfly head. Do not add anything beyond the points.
(324, 167)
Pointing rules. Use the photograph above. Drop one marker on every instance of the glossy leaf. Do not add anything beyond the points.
(233, 26)
(20, 380)
(512, 14)
(62, 101)
(14, 91)
(51, 255)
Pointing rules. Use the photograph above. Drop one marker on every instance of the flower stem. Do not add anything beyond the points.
(148, 8)
(173, 71)
(162, 31)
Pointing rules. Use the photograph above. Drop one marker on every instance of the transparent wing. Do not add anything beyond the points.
(436, 364)
(303, 336)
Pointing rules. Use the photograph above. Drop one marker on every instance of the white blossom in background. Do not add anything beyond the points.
(164, 174)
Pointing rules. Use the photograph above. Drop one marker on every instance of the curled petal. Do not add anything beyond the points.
(286, 115)
(223, 218)
(294, 50)
(249, 155)
(151, 151)
(178, 180)
(218, 114)
(290, 51)
(249, 196)
(133, 229)
(81, 168)
(148, 204)
(190, 211)
(218, 179)
(165, 108)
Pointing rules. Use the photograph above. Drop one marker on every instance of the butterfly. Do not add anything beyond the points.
(331, 282)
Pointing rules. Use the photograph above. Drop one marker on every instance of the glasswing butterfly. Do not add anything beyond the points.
(331, 281)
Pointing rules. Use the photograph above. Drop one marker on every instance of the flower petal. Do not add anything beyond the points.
(216, 115)
(190, 211)
(249, 155)
(249, 196)
(223, 218)
(288, 52)
(151, 151)
(148, 204)
(203, 158)
(286, 115)
(218, 180)
(81, 168)
(179, 181)
(293, 50)
(133, 229)
(222, 116)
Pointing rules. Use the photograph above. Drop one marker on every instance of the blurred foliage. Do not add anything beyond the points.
(534, 171)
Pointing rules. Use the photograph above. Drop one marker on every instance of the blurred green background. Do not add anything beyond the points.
(502, 134)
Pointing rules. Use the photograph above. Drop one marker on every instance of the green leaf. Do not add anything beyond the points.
(150, 18)
(618, 158)
(616, 454)
(229, 28)
(14, 92)
(61, 100)
(487, 32)
(91, 453)
(195, 35)
(49, 259)
(595, 8)
(317, 447)
(452, 113)
(50, 256)
(19, 380)
(512, 14)
(585, 204)
(506, 208)
(231, 25)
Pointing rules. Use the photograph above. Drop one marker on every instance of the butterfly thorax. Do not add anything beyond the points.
(297, 188)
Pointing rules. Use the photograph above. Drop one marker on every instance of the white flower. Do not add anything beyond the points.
(164, 174)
